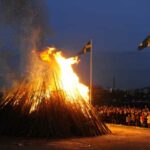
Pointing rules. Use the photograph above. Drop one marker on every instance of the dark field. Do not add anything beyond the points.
(122, 138)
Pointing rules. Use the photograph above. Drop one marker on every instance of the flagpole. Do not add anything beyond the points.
(91, 72)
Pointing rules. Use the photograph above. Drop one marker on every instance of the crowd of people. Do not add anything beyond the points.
(125, 115)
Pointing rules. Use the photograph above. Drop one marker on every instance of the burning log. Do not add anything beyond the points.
(51, 102)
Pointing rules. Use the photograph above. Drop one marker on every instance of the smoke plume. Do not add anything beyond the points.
(24, 24)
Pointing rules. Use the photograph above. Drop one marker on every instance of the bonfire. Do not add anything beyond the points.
(50, 101)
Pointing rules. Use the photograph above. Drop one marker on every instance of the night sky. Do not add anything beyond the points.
(116, 28)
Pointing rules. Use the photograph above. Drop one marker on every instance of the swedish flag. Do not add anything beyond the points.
(145, 43)
(87, 48)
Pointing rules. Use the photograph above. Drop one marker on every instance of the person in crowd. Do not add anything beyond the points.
(125, 115)
(148, 120)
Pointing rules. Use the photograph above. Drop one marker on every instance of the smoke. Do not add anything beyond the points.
(24, 24)
(26, 15)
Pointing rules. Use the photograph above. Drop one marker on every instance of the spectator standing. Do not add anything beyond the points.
(142, 120)
(128, 119)
(148, 120)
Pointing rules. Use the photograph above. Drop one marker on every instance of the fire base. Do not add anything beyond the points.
(52, 118)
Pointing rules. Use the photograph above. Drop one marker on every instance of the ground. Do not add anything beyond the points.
(122, 138)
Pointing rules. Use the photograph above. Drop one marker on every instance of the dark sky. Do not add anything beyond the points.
(116, 28)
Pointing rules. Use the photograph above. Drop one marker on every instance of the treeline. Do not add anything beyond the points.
(137, 97)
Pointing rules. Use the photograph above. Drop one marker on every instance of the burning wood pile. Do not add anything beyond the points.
(50, 101)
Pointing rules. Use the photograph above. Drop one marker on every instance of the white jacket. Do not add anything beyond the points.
(148, 119)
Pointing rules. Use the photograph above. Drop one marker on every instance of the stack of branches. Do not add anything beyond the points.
(40, 107)
(26, 113)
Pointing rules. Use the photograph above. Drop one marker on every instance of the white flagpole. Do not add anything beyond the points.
(91, 71)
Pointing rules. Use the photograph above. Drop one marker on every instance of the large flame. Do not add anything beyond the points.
(50, 77)
(66, 78)
(50, 100)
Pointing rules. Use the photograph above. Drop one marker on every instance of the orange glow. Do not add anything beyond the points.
(50, 78)
(66, 77)
(45, 54)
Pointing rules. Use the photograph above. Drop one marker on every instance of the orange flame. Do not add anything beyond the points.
(66, 77)
(51, 77)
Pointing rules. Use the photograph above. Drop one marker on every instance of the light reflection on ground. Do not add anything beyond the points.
(122, 138)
